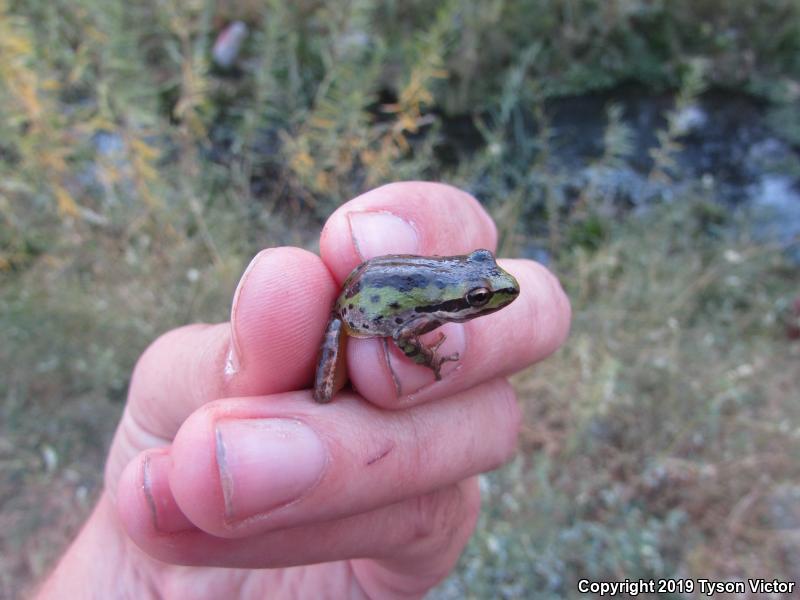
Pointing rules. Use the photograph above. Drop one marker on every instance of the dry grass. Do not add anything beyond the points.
(136, 180)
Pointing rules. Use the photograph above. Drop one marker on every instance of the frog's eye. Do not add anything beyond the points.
(478, 296)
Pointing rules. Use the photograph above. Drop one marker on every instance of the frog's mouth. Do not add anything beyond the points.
(511, 292)
(501, 298)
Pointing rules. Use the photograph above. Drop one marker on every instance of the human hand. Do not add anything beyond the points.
(222, 459)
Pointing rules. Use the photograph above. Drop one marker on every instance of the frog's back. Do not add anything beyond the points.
(382, 294)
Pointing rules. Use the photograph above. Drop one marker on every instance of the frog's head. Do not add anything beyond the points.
(487, 287)
(482, 288)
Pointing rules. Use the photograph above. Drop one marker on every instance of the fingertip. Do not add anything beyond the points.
(512, 419)
(278, 315)
(145, 502)
(130, 499)
(542, 312)
(194, 477)
(411, 217)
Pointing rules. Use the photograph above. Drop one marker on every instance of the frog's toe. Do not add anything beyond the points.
(437, 366)
(435, 346)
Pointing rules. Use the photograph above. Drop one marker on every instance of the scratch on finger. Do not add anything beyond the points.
(382, 455)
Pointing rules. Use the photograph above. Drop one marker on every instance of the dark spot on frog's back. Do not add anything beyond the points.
(402, 283)
(353, 289)
(394, 305)
(398, 320)
(375, 298)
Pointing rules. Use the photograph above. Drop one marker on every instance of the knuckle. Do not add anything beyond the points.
(181, 357)
(149, 360)
(471, 497)
(416, 431)
(436, 516)
(510, 416)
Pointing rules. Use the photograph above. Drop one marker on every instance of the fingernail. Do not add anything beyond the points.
(266, 463)
(379, 233)
(233, 358)
(167, 517)
(411, 378)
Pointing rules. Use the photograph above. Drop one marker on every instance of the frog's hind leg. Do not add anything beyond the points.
(408, 340)
(330, 375)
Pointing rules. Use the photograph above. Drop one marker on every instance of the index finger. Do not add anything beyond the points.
(434, 219)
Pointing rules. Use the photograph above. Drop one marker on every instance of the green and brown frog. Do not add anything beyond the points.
(404, 297)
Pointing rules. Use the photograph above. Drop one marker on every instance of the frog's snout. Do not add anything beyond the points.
(509, 286)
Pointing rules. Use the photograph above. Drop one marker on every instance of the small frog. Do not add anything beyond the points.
(405, 296)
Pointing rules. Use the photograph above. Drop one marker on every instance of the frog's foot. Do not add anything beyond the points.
(435, 346)
(439, 361)
(424, 354)
(436, 360)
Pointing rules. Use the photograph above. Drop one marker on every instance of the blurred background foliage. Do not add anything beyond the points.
(139, 177)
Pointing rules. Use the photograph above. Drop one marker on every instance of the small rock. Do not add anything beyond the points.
(690, 118)
(50, 458)
(228, 44)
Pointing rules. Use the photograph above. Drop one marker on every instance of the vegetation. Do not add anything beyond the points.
(137, 178)
(663, 440)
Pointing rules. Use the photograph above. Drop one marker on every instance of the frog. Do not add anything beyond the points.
(404, 296)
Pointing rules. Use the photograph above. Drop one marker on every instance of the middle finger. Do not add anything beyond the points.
(248, 465)
(526, 331)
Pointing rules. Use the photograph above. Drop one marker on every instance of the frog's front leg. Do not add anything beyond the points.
(408, 340)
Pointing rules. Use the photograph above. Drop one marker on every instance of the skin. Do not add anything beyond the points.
(405, 296)
(222, 459)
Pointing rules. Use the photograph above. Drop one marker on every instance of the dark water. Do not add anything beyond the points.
(728, 149)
